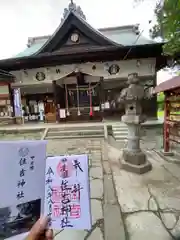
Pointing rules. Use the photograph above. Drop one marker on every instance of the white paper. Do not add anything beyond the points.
(22, 176)
(67, 196)
(97, 109)
(102, 106)
(62, 113)
(106, 105)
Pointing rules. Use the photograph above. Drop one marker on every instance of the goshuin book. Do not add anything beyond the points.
(32, 184)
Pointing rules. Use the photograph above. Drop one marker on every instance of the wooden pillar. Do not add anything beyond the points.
(166, 124)
(11, 98)
(55, 93)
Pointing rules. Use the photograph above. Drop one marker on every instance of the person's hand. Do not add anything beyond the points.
(39, 232)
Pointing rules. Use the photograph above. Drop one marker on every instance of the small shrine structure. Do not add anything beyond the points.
(171, 90)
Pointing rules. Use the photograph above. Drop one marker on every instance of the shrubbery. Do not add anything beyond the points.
(160, 100)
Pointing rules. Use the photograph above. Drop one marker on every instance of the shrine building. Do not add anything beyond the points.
(76, 73)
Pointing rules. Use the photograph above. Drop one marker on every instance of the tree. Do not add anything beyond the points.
(168, 25)
(160, 100)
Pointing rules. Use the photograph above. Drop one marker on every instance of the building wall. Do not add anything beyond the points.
(144, 67)
(5, 100)
(28, 79)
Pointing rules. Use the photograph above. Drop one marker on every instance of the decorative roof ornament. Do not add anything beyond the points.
(74, 8)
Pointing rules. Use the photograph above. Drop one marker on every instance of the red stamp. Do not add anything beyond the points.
(75, 211)
(65, 168)
(56, 211)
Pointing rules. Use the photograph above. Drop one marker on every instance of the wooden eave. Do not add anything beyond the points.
(86, 55)
(6, 76)
(168, 85)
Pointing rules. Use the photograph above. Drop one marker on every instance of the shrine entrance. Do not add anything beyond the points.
(83, 103)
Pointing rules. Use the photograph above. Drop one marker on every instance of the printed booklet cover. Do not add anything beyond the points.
(32, 184)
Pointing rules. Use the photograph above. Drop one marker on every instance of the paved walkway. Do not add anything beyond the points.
(150, 203)
(41, 126)
(124, 206)
(106, 217)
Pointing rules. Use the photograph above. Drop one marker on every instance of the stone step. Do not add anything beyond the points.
(76, 133)
(121, 140)
(120, 137)
(119, 127)
(77, 128)
(121, 131)
(73, 137)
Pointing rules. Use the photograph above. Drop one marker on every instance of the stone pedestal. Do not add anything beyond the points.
(134, 160)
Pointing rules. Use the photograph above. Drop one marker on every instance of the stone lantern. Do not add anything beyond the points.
(134, 160)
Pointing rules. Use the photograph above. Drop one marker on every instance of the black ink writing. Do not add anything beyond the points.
(22, 161)
(49, 193)
(76, 192)
(21, 183)
(50, 171)
(65, 222)
(32, 165)
(22, 172)
(48, 180)
(65, 204)
(20, 195)
(77, 166)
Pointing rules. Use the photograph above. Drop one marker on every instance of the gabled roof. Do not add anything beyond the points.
(121, 35)
(74, 22)
(126, 35)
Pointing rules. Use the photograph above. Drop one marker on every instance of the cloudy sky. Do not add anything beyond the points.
(20, 19)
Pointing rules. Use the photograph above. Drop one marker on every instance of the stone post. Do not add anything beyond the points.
(134, 160)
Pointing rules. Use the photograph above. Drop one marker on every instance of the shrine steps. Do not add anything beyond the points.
(75, 132)
(119, 131)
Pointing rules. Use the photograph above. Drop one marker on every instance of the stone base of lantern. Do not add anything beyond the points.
(135, 162)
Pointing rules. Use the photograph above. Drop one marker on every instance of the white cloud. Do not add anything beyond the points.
(21, 19)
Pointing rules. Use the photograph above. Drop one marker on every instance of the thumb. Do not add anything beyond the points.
(38, 228)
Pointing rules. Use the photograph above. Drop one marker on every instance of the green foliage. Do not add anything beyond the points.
(160, 97)
(168, 25)
(160, 100)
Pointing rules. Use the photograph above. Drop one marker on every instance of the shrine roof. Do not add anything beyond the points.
(76, 41)
(122, 35)
(168, 85)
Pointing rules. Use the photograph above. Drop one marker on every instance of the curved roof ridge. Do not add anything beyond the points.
(96, 30)
(61, 26)
(124, 27)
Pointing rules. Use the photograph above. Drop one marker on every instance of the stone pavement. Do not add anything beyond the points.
(150, 203)
(124, 205)
(106, 217)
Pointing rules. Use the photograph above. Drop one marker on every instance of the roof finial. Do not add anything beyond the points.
(72, 7)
